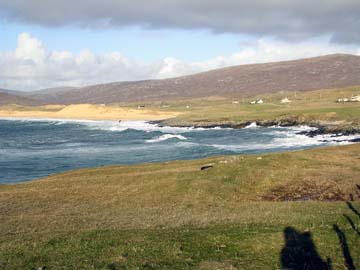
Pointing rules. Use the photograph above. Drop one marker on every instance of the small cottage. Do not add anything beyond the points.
(355, 98)
(258, 101)
(342, 100)
(285, 100)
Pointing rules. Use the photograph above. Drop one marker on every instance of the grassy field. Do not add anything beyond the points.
(314, 106)
(176, 216)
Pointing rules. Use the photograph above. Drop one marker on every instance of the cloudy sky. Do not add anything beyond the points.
(60, 43)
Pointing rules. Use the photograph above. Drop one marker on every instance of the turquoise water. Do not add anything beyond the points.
(34, 148)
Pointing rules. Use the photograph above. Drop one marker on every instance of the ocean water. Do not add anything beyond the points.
(33, 148)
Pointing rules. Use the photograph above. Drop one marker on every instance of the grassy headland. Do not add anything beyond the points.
(175, 216)
(318, 108)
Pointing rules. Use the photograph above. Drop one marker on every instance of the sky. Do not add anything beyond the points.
(55, 43)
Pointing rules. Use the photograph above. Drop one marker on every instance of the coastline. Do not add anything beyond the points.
(86, 112)
(170, 118)
(322, 127)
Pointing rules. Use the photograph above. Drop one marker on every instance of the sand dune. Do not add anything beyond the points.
(86, 111)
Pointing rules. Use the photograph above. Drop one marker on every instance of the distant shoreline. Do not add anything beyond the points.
(334, 130)
(322, 127)
(94, 112)
(86, 112)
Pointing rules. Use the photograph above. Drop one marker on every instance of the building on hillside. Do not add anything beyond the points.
(285, 100)
(342, 100)
(355, 98)
(258, 101)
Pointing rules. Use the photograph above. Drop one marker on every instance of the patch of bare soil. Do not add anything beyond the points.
(306, 191)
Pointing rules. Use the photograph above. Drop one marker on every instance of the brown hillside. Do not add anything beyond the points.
(6, 98)
(325, 72)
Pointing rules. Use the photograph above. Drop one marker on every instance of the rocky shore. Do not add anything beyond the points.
(338, 128)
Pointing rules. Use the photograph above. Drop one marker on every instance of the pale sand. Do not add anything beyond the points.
(85, 112)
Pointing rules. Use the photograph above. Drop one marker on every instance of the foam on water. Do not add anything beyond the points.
(116, 126)
(288, 139)
(166, 137)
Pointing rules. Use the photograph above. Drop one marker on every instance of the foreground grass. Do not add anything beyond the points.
(175, 216)
(248, 245)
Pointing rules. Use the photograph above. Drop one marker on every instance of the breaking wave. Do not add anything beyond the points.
(252, 125)
(116, 126)
(166, 137)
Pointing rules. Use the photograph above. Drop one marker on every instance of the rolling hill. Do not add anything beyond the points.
(324, 72)
(7, 98)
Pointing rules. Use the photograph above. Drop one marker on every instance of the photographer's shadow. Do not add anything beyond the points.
(299, 252)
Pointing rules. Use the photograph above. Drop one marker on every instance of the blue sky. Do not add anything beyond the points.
(134, 42)
(74, 43)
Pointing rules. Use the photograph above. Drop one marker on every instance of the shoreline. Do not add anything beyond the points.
(86, 112)
(330, 128)
(322, 128)
(93, 112)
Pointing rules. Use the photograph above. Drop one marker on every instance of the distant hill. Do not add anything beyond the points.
(324, 72)
(13, 92)
(7, 98)
(50, 93)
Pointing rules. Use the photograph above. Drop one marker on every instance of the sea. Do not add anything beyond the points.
(35, 148)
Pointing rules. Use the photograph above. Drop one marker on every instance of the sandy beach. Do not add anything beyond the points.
(86, 112)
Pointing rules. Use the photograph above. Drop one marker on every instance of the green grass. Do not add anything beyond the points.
(313, 106)
(242, 246)
(175, 216)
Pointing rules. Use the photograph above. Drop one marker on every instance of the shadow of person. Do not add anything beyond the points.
(352, 208)
(299, 252)
(345, 248)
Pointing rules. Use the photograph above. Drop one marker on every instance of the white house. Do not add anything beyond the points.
(355, 98)
(258, 101)
(285, 100)
(342, 100)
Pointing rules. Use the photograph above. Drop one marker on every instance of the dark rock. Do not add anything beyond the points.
(207, 166)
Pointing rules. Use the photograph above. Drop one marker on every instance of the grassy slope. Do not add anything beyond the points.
(313, 106)
(175, 216)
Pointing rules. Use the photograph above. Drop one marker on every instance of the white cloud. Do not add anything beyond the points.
(29, 48)
(30, 66)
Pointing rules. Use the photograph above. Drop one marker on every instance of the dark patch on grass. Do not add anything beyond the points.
(305, 191)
